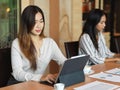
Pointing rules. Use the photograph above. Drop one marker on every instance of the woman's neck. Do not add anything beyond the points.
(35, 38)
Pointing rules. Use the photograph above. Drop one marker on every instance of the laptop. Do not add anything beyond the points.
(72, 71)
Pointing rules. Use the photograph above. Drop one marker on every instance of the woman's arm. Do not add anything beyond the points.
(112, 59)
(57, 54)
(106, 50)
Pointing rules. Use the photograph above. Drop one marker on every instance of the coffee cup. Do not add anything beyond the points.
(87, 69)
(59, 86)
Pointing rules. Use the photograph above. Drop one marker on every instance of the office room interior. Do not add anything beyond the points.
(64, 21)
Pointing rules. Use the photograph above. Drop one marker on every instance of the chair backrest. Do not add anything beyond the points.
(5, 66)
(71, 48)
(117, 44)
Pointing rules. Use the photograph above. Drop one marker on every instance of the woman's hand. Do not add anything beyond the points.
(112, 59)
(49, 78)
(116, 56)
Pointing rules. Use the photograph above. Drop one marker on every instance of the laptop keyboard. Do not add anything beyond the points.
(47, 83)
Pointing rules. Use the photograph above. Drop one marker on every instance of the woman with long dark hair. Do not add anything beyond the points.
(92, 41)
(31, 51)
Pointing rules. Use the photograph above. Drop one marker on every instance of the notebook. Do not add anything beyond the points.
(72, 71)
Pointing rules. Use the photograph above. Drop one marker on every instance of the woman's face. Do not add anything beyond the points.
(39, 24)
(101, 25)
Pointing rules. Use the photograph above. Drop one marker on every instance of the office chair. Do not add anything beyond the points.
(71, 48)
(5, 66)
(117, 44)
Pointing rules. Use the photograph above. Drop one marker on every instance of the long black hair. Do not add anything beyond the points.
(26, 25)
(92, 20)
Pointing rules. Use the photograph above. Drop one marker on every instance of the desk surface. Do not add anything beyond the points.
(31, 85)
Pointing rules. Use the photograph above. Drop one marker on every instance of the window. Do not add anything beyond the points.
(9, 21)
(87, 6)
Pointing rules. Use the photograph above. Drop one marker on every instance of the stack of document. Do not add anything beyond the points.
(115, 71)
(112, 75)
(97, 85)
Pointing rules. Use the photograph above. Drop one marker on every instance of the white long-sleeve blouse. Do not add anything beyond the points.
(96, 57)
(21, 65)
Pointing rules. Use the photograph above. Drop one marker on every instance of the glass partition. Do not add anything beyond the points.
(9, 18)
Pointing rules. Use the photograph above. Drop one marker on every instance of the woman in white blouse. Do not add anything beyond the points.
(92, 41)
(31, 51)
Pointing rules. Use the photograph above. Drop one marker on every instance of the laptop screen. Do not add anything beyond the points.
(71, 68)
(71, 72)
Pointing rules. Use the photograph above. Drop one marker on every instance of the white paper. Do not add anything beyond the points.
(114, 71)
(82, 55)
(106, 76)
(97, 85)
(117, 89)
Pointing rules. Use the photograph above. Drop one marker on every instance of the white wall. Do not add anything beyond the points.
(44, 5)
